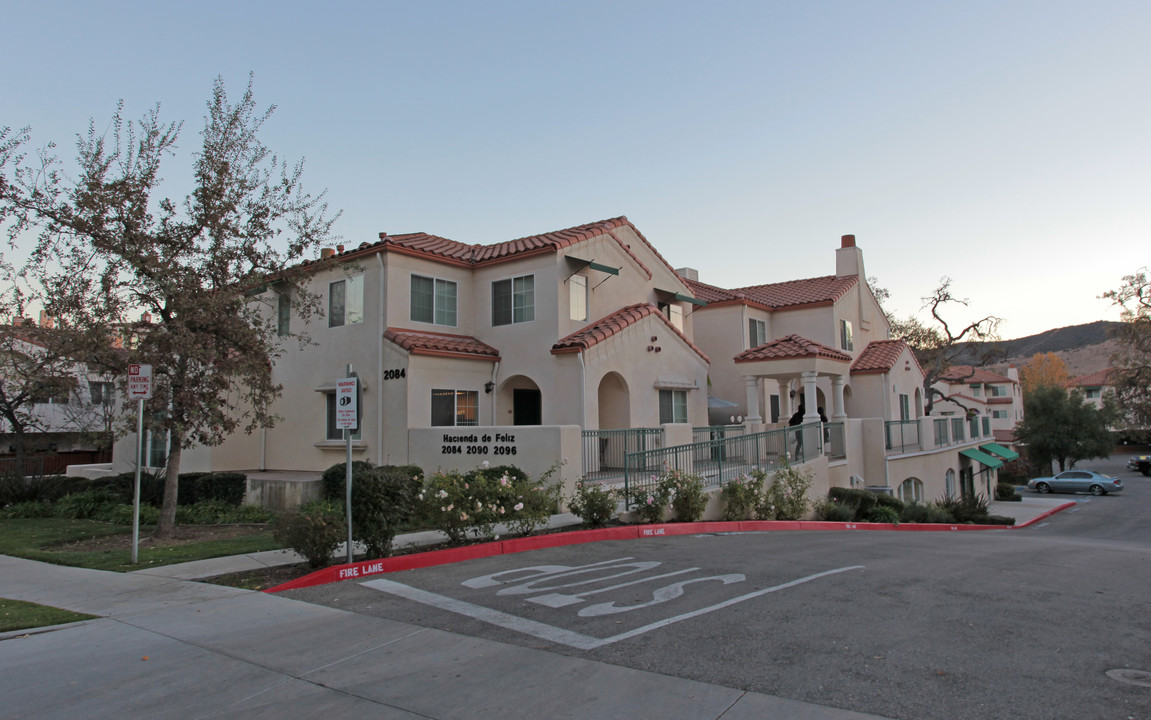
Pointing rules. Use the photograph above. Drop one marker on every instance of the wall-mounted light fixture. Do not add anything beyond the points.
(489, 386)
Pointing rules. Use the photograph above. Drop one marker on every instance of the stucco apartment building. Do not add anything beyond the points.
(516, 351)
(994, 400)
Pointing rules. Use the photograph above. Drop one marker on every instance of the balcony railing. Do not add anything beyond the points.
(902, 435)
(834, 442)
(942, 437)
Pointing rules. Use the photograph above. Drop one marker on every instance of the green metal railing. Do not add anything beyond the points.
(604, 451)
(707, 433)
(722, 459)
(902, 435)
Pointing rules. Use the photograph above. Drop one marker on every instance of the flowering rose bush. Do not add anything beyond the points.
(743, 495)
(593, 503)
(786, 498)
(688, 500)
(650, 502)
(462, 504)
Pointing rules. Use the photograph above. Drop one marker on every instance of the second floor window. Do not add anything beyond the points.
(577, 297)
(283, 314)
(756, 332)
(976, 390)
(103, 393)
(846, 339)
(514, 300)
(674, 314)
(433, 300)
(346, 301)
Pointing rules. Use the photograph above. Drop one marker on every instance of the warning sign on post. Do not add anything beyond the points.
(347, 407)
(139, 382)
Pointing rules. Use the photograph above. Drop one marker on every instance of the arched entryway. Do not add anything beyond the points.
(521, 402)
(614, 402)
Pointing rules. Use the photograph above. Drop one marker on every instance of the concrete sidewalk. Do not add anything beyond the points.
(165, 647)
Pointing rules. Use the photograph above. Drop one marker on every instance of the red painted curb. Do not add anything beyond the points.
(367, 568)
(1046, 515)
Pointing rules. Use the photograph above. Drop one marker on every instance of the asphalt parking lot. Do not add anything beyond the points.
(1003, 623)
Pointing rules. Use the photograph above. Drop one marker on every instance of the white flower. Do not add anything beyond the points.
(442, 494)
(485, 463)
(518, 506)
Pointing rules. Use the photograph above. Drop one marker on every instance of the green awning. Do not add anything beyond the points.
(680, 297)
(1000, 451)
(593, 265)
(988, 460)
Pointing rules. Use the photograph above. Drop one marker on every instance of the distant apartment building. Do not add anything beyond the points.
(993, 400)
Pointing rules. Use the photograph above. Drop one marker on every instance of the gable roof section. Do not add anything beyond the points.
(880, 356)
(1095, 379)
(791, 346)
(457, 253)
(419, 342)
(611, 325)
(798, 293)
(791, 294)
(972, 375)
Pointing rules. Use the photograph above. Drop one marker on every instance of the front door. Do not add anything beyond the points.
(527, 407)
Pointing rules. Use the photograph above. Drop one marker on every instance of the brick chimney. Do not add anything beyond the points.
(849, 259)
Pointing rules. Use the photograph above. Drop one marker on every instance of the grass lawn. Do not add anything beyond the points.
(101, 546)
(20, 615)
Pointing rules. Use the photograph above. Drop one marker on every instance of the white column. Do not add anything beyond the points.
(838, 412)
(752, 385)
(811, 411)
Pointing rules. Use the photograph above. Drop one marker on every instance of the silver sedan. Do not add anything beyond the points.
(1077, 481)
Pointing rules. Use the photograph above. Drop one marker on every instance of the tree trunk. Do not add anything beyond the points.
(166, 527)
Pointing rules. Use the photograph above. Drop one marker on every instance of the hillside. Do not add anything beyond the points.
(1084, 348)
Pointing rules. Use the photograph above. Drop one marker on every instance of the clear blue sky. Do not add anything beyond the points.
(1005, 144)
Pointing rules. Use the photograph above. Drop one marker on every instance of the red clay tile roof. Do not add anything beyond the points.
(472, 255)
(791, 346)
(419, 342)
(778, 296)
(809, 291)
(880, 356)
(1095, 379)
(606, 327)
(972, 375)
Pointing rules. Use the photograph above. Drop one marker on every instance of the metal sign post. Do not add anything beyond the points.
(348, 420)
(140, 388)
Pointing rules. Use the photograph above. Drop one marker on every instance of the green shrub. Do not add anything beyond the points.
(383, 498)
(1006, 492)
(43, 488)
(538, 500)
(786, 498)
(315, 531)
(860, 501)
(965, 509)
(688, 499)
(121, 514)
(650, 503)
(998, 520)
(834, 511)
(252, 514)
(742, 495)
(1014, 472)
(28, 509)
(882, 514)
(228, 487)
(888, 501)
(593, 503)
(84, 505)
(925, 513)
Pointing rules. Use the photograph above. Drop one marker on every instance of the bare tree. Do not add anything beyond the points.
(936, 344)
(110, 247)
(1131, 365)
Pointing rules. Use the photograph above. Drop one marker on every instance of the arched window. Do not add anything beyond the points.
(911, 490)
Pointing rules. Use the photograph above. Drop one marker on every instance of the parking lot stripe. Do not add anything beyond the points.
(561, 636)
